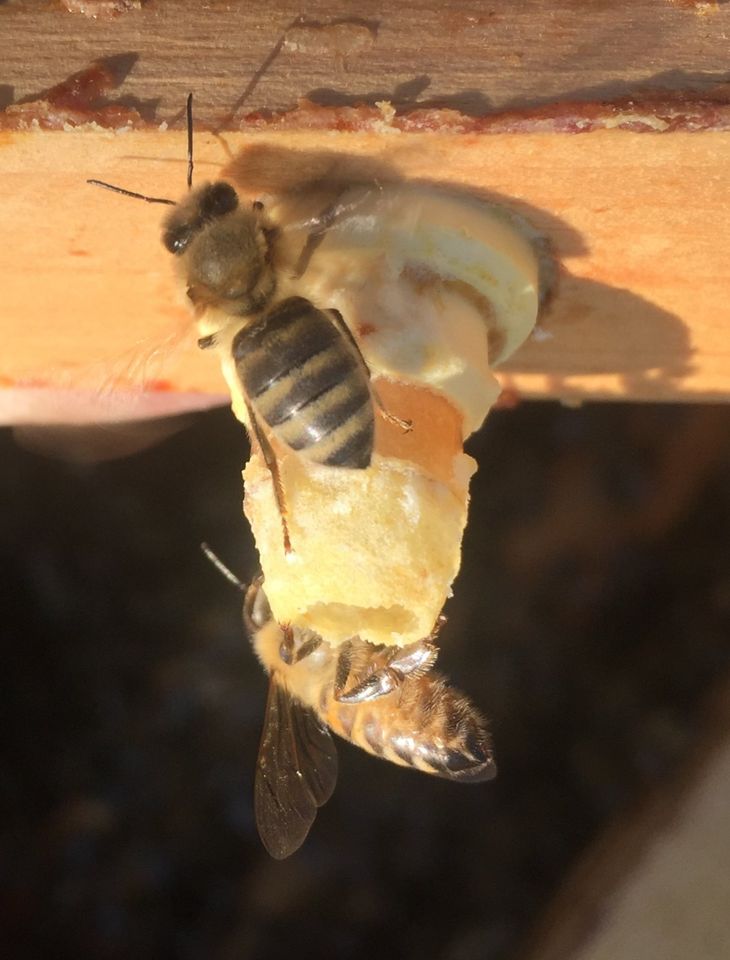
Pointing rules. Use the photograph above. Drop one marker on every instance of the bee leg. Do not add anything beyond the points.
(273, 465)
(344, 665)
(413, 660)
(440, 621)
(286, 647)
(405, 425)
(310, 245)
(375, 685)
(307, 648)
(205, 343)
(323, 222)
(290, 651)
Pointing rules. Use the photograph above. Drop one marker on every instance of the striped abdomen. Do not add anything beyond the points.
(305, 380)
(426, 725)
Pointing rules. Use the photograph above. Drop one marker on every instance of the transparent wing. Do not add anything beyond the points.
(296, 772)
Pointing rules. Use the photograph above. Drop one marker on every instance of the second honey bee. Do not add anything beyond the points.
(386, 700)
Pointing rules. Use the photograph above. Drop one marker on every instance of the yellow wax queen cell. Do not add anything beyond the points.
(361, 370)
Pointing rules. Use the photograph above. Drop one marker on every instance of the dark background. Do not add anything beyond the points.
(589, 621)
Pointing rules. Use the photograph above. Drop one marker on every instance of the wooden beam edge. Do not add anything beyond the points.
(638, 220)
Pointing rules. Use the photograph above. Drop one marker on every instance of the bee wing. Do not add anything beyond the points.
(296, 772)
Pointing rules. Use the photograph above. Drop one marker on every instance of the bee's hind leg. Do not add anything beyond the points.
(405, 425)
(327, 218)
(413, 660)
(273, 464)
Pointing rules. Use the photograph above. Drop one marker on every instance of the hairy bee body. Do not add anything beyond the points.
(423, 723)
(299, 367)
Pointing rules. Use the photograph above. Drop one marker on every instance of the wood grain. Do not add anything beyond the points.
(472, 55)
(639, 221)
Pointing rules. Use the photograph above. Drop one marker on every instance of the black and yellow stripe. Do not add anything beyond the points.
(304, 379)
(426, 725)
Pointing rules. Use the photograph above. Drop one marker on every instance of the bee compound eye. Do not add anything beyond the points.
(219, 199)
(177, 238)
(260, 609)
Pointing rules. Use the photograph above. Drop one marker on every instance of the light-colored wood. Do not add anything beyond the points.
(640, 223)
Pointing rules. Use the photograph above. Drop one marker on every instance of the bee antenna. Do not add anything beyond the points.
(189, 114)
(221, 567)
(143, 196)
(131, 193)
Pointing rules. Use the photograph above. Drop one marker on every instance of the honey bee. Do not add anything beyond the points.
(301, 372)
(386, 700)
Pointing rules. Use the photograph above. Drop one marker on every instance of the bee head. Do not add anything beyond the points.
(225, 249)
(205, 205)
